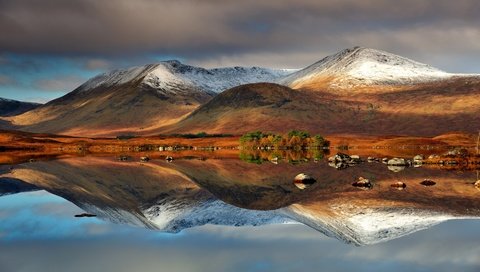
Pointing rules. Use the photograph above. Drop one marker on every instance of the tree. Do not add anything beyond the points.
(300, 133)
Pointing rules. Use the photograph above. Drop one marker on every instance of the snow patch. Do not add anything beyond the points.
(174, 216)
(170, 75)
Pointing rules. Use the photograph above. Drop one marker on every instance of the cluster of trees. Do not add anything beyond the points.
(295, 139)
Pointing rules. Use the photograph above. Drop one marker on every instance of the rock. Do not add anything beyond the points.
(303, 181)
(428, 182)
(169, 159)
(274, 160)
(355, 158)
(395, 168)
(418, 160)
(397, 162)
(477, 184)
(372, 159)
(385, 160)
(123, 158)
(85, 215)
(344, 158)
(144, 159)
(341, 157)
(399, 185)
(433, 156)
(338, 165)
(363, 183)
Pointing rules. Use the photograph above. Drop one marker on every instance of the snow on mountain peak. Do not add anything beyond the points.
(359, 66)
(168, 75)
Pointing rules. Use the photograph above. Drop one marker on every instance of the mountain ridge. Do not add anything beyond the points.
(358, 90)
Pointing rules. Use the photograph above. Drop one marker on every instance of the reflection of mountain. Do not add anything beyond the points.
(188, 193)
(10, 107)
(10, 186)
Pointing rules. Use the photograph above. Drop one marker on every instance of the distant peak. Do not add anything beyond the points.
(175, 62)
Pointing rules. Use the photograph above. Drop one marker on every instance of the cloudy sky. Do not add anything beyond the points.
(49, 47)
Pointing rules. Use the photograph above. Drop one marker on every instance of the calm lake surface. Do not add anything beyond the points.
(96, 213)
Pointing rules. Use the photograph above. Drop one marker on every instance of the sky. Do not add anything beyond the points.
(49, 47)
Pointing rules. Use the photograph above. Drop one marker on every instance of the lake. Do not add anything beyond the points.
(241, 212)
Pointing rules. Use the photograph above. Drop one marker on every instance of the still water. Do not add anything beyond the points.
(227, 214)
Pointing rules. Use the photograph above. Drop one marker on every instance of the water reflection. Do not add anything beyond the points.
(184, 193)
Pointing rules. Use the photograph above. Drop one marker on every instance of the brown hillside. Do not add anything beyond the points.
(427, 110)
(110, 111)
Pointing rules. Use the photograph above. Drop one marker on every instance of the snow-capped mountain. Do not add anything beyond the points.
(171, 75)
(137, 100)
(361, 66)
(171, 97)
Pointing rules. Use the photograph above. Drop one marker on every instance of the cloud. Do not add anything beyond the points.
(209, 27)
(60, 83)
(6, 80)
(97, 64)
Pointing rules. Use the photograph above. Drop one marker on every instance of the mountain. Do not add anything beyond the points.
(361, 67)
(358, 90)
(10, 107)
(259, 106)
(137, 100)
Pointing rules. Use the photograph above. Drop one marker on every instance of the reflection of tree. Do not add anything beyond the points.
(295, 139)
(291, 156)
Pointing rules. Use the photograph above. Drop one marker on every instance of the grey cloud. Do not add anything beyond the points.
(186, 25)
(97, 64)
(279, 33)
(60, 83)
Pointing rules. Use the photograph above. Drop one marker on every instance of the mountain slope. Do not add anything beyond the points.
(428, 111)
(138, 100)
(10, 107)
(262, 106)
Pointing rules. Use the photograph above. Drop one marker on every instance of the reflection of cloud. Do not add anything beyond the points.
(244, 249)
(3, 214)
(57, 209)
(6, 80)
(272, 232)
